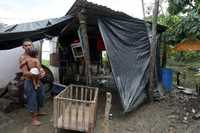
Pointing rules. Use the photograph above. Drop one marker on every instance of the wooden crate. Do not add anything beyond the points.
(75, 108)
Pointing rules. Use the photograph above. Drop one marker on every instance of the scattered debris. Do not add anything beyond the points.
(196, 116)
(172, 129)
(172, 116)
(188, 91)
(3, 91)
(185, 122)
(185, 118)
(5, 105)
(185, 105)
(193, 111)
(5, 120)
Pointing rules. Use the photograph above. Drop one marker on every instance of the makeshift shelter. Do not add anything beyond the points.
(126, 42)
(125, 38)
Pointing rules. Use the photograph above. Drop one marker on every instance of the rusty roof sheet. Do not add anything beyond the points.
(188, 45)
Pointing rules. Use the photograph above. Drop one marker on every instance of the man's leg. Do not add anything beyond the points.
(32, 103)
(41, 98)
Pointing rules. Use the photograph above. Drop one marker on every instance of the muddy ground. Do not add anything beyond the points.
(174, 113)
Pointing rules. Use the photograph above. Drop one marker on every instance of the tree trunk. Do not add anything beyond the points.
(143, 9)
(152, 84)
(86, 48)
(164, 57)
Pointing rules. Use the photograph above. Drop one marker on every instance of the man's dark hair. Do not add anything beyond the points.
(33, 52)
(26, 40)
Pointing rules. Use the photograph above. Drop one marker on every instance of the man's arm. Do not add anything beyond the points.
(24, 67)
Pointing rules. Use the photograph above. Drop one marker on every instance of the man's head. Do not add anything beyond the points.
(27, 45)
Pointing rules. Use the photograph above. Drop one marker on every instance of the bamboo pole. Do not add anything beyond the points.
(86, 48)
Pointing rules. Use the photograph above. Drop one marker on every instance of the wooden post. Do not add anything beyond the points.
(164, 57)
(107, 111)
(40, 51)
(152, 79)
(86, 48)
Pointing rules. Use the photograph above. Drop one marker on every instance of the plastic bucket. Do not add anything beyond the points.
(167, 79)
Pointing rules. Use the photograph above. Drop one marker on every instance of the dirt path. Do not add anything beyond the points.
(157, 117)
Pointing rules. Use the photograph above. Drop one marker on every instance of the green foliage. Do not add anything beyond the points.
(171, 22)
(190, 26)
(190, 55)
(183, 21)
(46, 62)
(178, 6)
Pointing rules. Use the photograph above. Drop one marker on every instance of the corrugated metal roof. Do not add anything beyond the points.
(94, 9)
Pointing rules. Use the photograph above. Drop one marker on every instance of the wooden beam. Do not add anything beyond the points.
(86, 48)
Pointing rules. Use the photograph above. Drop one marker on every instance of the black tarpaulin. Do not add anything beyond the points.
(12, 36)
(128, 49)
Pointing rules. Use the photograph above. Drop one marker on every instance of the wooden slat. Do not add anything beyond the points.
(63, 112)
(84, 121)
(76, 96)
(83, 86)
(86, 94)
(96, 94)
(76, 108)
(70, 116)
(89, 116)
(80, 101)
(90, 94)
(58, 106)
(67, 108)
(82, 108)
(82, 93)
(71, 92)
(55, 116)
(67, 92)
(77, 111)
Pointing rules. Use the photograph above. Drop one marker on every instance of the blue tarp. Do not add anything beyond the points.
(127, 44)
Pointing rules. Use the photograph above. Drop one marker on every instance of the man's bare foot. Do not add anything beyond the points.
(36, 123)
(41, 114)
